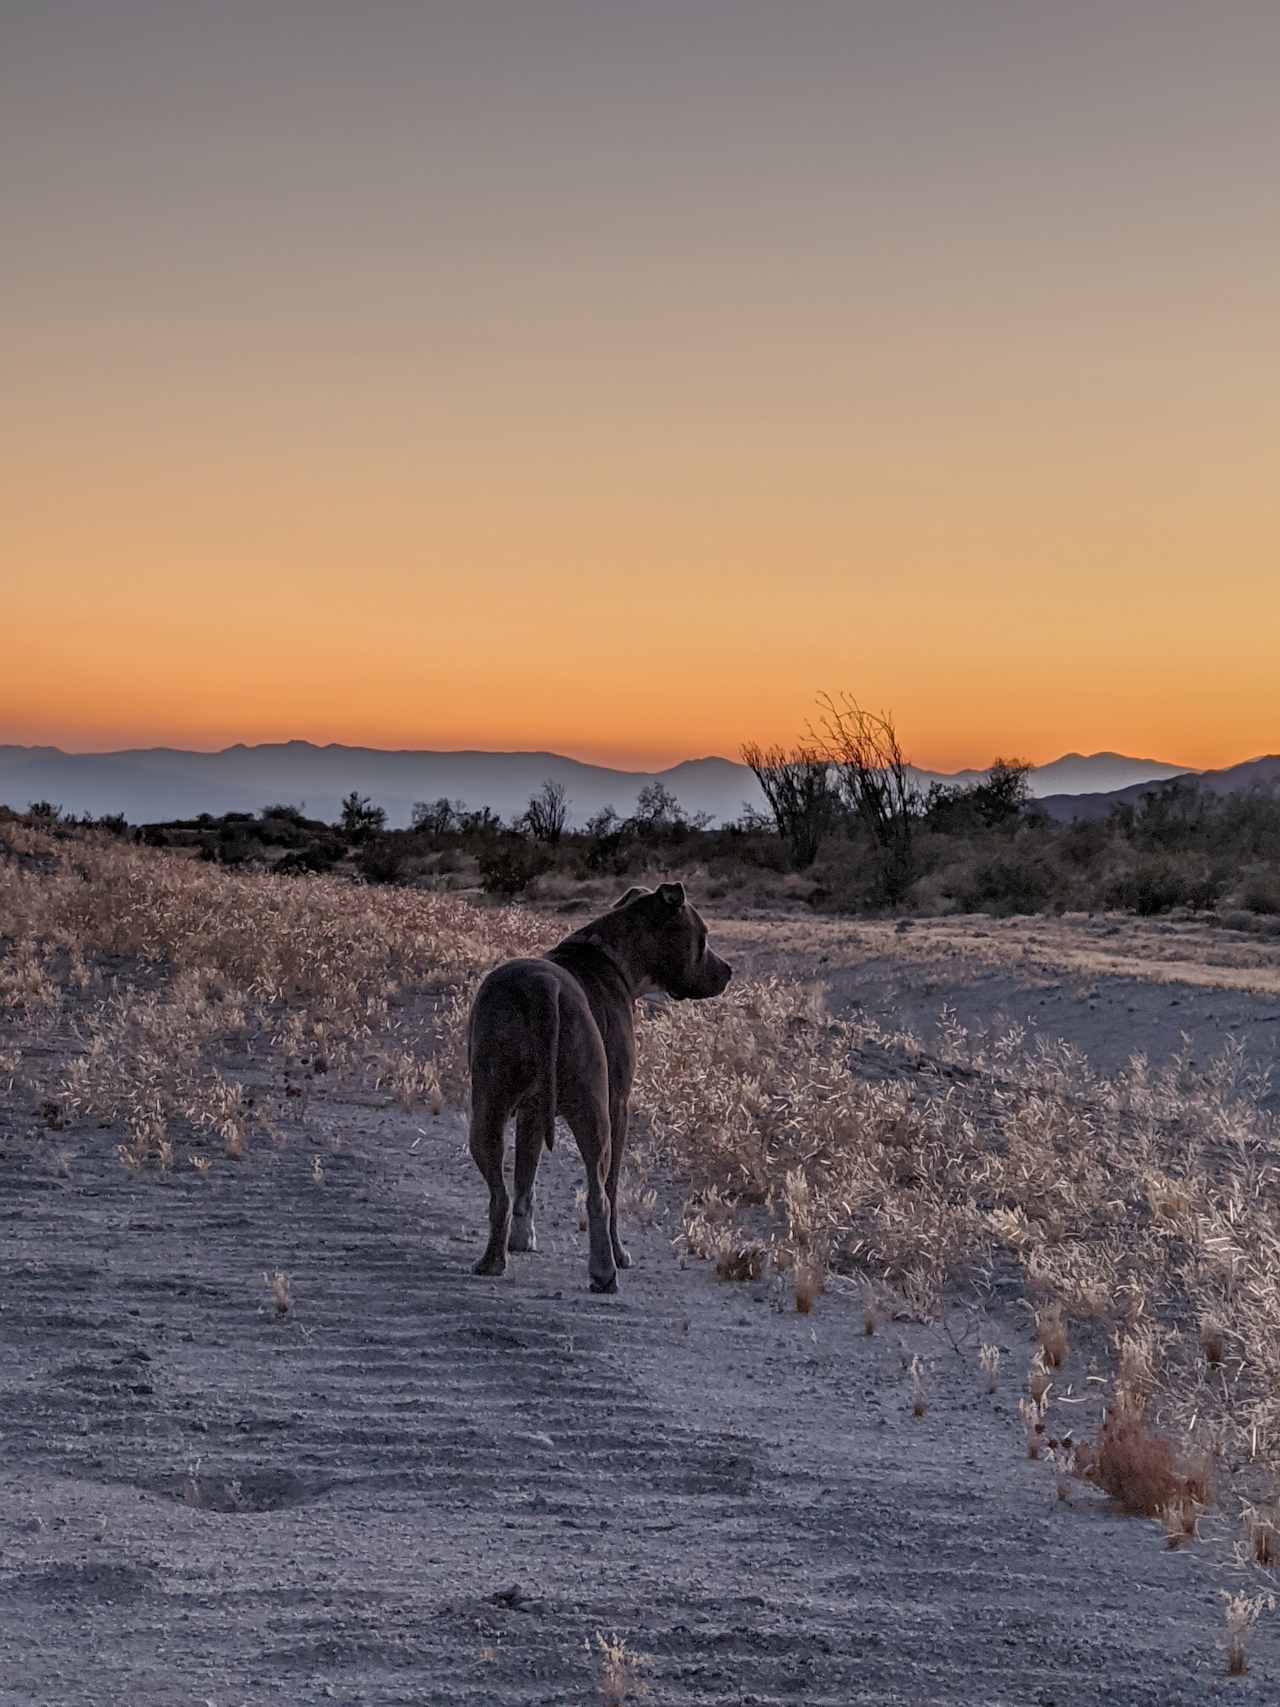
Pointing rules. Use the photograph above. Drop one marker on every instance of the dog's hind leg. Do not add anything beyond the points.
(488, 1123)
(530, 1137)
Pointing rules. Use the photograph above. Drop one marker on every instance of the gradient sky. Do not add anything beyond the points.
(611, 376)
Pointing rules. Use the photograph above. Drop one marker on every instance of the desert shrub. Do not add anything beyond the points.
(1019, 881)
(230, 848)
(314, 856)
(360, 818)
(1260, 892)
(1159, 884)
(1238, 919)
(608, 853)
(547, 813)
(281, 833)
(1083, 843)
(874, 786)
(385, 859)
(1142, 1470)
(511, 865)
(799, 788)
(283, 813)
(437, 817)
(998, 801)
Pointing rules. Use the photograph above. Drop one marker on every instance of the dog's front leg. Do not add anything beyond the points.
(590, 1127)
(617, 1144)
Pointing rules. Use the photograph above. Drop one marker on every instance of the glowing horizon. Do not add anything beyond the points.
(611, 381)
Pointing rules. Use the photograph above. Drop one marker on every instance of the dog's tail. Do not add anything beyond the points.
(548, 1053)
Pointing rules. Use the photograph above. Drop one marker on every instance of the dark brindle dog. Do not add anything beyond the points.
(557, 1036)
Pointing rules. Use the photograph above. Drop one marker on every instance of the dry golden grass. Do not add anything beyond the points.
(1241, 1613)
(1261, 1526)
(989, 1361)
(1143, 1472)
(1213, 1341)
(1192, 952)
(1032, 1413)
(1051, 1327)
(807, 1286)
(194, 968)
(619, 1670)
(277, 1281)
(1140, 1200)
(919, 1387)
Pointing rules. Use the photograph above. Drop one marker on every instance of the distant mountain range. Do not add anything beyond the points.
(148, 784)
(1262, 775)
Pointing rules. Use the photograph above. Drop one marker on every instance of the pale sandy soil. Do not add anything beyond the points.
(1112, 986)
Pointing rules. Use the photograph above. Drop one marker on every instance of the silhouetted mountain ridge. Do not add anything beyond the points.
(1261, 773)
(149, 784)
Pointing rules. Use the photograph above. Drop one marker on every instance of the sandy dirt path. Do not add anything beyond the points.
(1110, 987)
(421, 1487)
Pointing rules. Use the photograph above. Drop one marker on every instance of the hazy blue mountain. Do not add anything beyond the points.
(159, 782)
(1262, 774)
(150, 783)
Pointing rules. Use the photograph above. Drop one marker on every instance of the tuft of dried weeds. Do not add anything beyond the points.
(619, 1670)
(989, 1361)
(1144, 1473)
(919, 1387)
(278, 1282)
(1181, 1519)
(746, 1261)
(807, 1285)
(1213, 1341)
(1032, 1413)
(1261, 1526)
(1039, 1381)
(1240, 1613)
(1140, 1198)
(298, 977)
(1051, 1327)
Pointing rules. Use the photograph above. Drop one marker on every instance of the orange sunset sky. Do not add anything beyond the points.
(612, 377)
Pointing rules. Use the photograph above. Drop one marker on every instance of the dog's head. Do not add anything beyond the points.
(666, 939)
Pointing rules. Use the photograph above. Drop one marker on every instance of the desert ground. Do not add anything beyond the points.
(268, 1440)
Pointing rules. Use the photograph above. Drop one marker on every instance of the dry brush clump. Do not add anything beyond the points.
(1240, 1613)
(1144, 1472)
(198, 1005)
(620, 1670)
(1139, 1202)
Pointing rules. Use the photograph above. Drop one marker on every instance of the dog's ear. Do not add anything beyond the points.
(631, 894)
(672, 894)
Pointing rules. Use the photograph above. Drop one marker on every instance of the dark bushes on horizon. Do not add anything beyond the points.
(983, 848)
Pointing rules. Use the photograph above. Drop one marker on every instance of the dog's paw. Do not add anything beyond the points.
(522, 1238)
(622, 1256)
(610, 1284)
(490, 1265)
